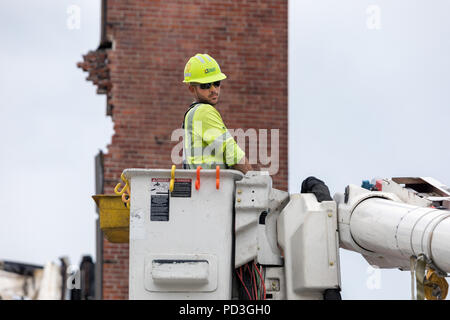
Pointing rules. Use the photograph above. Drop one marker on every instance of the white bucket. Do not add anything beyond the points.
(181, 241)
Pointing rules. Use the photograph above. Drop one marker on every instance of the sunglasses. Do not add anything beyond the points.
(205, 86)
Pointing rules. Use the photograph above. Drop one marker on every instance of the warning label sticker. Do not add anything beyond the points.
(182, 188)
(159, 199)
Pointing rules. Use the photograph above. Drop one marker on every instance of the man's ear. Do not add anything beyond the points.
(191, 89)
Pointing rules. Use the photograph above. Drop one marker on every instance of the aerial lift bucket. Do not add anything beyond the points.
(114, 217)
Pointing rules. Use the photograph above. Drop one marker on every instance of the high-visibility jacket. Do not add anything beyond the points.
(207, 141)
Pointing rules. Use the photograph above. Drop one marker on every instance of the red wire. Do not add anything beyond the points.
(243, 284)
(251, 281)
(254, 281)
(264, 285)
(242, 281)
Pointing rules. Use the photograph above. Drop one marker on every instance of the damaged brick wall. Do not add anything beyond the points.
(142, 75)
(96, 64)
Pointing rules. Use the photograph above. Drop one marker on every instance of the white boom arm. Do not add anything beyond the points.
(388, 230)
(187, 243)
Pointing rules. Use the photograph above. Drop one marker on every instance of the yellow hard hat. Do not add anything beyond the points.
(202, 68)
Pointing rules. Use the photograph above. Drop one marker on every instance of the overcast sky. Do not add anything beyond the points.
(368, 97)
(53, 125)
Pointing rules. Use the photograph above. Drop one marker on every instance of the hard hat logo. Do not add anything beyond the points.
(202, 68)
(210, 70)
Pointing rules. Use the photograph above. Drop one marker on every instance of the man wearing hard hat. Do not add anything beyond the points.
(208, 142)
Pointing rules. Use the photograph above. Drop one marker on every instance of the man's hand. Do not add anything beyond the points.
(244, 166)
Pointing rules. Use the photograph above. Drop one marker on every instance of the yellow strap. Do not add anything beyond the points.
(420, 277)
(124, 192)
(116, 189)
(172, 178)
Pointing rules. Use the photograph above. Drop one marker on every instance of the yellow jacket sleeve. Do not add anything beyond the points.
(214, 132)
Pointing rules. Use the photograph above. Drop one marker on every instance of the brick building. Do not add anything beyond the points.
(139, 65)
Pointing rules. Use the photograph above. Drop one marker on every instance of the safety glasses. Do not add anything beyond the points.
(205, 86)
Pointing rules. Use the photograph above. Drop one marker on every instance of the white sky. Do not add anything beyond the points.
(367, 103)
(363, 103)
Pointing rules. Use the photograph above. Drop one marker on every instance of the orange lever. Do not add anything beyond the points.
(197, 182)
(217, 177)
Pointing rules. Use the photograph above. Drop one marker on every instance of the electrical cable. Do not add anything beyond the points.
(259, 284)
(263, 282)
(243, 278)
(251, 280)
(250, 273)
(254, 281)
(240, 276)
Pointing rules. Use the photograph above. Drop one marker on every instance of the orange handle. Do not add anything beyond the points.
(197, 182)
(217, 177)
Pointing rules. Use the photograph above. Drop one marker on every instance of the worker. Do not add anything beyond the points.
(208, 142)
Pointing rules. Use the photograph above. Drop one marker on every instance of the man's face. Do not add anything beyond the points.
(210, 96)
